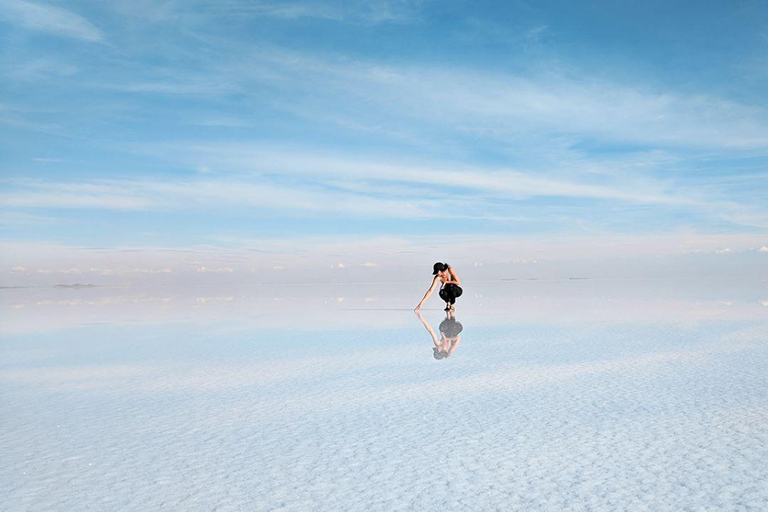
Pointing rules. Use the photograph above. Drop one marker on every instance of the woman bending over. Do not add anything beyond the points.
(450, 285)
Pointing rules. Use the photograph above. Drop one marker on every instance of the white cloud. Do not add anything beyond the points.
(222, 270)
(67, 271)
(16, 218)
(135, 270)
(38, 70)
(340, 266)
(390, 188)
(727, 250)
(763, 248)
(211, 193)
(191, 87)
(51, 19)
(534, 110)
(518, 261)
(226, 298)
(369, 265)
(500, 105)
(367, 12)
(535, 32)
(288, 10)
(115, 199)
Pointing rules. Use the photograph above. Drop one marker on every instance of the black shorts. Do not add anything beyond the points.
(449, 292)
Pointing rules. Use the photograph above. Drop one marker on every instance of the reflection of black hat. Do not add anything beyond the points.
(437, 267)
(439, 354)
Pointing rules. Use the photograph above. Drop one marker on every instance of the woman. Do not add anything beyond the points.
(450, 286)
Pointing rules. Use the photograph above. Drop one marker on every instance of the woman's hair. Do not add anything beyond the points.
(437, 267)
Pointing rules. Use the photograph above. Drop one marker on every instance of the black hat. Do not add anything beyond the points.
(437, 267)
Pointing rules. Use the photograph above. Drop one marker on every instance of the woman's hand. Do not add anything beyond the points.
(432, 287)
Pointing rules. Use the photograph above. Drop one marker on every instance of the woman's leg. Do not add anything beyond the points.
(446, 296)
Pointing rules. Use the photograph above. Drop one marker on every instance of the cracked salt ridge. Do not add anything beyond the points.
(522, 417)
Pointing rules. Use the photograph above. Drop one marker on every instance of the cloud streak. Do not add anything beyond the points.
(294, 181)
(50, 19)
(137, 195)
(510, 183)
(368, 12)
(500, 105)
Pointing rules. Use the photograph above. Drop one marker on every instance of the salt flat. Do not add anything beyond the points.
(566, 395)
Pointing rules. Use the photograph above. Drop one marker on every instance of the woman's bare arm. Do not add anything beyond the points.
(435, 282)
(429, 330)
(454, 345)
(454, 277)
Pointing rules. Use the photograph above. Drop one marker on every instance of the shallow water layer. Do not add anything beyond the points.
(573, 395)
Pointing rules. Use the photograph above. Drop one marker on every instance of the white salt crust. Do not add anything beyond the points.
(574, 416)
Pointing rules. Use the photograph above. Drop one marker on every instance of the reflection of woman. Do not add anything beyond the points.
(450, 335)
(450, 285)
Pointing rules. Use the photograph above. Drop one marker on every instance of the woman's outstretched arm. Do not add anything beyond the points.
(435, 281)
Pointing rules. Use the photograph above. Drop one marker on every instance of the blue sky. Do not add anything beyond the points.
(233, 128)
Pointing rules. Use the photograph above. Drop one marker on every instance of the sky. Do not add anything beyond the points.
(255, 141)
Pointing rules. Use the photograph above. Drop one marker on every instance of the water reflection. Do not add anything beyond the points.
(450, 335)
(90, 375)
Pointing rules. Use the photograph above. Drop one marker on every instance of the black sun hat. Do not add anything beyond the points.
(437, 267)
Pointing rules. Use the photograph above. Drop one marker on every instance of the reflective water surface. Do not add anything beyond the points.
(534, 395)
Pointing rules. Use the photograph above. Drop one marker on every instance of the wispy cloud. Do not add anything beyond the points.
(474, 189)
(403, 178)
(15, 219)
(557, 103)
(369, 11)
(67, 196)
(156, 196)
(51, 19)
(287, 181)
(41, 69)
(471, 100)
(192, 87)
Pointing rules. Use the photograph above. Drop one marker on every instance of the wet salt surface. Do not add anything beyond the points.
(559, 396)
